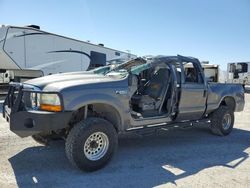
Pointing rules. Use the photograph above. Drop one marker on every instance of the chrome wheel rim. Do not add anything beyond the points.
(226, 122)
(96, 146)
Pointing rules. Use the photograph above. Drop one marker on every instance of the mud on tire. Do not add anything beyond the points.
(91, 144)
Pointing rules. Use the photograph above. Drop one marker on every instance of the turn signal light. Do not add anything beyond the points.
(53, 108)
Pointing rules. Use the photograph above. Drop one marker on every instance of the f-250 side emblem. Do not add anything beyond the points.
(121, 92)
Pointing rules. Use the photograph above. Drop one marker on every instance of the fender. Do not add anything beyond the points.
(92, 98)
(217, 94)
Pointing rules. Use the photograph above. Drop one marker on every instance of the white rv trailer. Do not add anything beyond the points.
(238, 72)
(28, 52)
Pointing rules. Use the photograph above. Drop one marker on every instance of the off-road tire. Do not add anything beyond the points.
(80, 133)
(218, 119)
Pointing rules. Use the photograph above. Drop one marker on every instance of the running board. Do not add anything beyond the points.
(154, 128)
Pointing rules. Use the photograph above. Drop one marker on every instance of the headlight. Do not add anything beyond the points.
(50, 102)
(43, 101)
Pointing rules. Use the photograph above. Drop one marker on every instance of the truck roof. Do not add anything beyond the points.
(173, 58)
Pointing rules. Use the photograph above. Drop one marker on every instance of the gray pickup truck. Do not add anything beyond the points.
(142, 95)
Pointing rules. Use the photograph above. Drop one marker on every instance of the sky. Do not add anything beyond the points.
(217, 31)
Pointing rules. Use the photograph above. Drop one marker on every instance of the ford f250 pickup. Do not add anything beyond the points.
(90, 110)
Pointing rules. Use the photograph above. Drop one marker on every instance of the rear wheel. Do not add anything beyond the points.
(222, 121)
(91, 144)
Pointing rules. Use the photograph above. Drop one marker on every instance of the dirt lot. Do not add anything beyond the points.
(183, 158)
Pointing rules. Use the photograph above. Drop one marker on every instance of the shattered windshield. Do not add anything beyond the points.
(135, 66)
(111, 64)
(107, 68)
(138, 69)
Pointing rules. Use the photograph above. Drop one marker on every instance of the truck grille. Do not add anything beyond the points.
(14, 96)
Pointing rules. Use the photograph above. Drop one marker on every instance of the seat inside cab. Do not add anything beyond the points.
(151, 92)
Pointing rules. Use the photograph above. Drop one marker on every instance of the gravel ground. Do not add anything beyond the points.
(183, 158)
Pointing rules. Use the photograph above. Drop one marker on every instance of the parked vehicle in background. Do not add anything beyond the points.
(28, 52)
(90, 110)
(238, 72)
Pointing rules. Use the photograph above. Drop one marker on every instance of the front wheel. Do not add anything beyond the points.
(91, 144)
(222, 121)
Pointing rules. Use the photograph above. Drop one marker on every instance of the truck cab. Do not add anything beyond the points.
(172, 89)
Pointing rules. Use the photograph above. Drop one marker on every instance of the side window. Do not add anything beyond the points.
(191, 74)
(242, 67)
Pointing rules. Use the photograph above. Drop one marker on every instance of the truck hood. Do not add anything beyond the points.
(60, 81)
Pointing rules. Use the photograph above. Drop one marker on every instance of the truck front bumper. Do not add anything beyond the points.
(26, 123)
